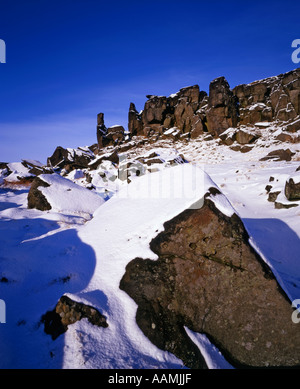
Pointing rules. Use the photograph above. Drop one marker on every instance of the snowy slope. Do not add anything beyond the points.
(47, 254)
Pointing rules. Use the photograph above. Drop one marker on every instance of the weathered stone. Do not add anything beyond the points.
(292, 189)
(135, 125)
(273, 196)
(222, 107)
(76, 158)
(68, 311)
(279, 155)
(279, 205)
(269, 99)
(35, 198)
(245, 137)
(101, 129)
(288, 137)
(294, 126)
(208, 278)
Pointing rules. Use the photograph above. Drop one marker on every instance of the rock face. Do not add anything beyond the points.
(274, 98)
(68, 311)
(222, 111)
(70, 159)
(192, 112)
(181, 110)
(209, 279)
(110, 136)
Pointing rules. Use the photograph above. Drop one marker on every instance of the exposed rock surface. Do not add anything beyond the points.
(35, 197)
(110, 136)
(160, 113)
(70, 159)
(68, 311)
(273, 98)
(222, 111)
(209, 279)
(193, 112)
(292, 188)
(279, 155)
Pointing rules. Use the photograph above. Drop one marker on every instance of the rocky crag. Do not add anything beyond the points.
(207, 278)
(191, 112)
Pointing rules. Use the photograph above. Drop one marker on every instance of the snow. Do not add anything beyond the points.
(295, 177)
(33, 162)
(17, 170)
(88, 242)
(65, 196)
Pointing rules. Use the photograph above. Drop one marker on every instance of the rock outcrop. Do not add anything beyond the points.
(70, 159)
(273, 98)
(181, 110)
(222, 110)
(209, 279)
(192, 112)
(110, 136)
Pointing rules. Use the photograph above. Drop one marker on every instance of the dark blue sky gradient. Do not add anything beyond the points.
(69, 60)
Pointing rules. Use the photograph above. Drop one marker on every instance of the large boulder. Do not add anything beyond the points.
(292, 187)
(279, 155)
(209, 279)
(35, 198)
(70, 158)
(52, 191)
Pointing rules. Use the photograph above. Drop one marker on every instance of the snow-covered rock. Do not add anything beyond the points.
(52, 191)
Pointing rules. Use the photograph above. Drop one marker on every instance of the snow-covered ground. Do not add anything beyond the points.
(45, 254)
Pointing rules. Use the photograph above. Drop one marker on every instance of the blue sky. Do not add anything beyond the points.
(68, 60)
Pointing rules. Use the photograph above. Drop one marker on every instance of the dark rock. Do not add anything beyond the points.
(283, 205)
(35, 198)
(273, 196)
(222, 110)
(273, 98)
(115, 135)
(268, 188)
(161, 113)
(68, 311)
(245, 137)
(279, 155)
(294, 126)
(75, 158)
(208, 278)
(101, 129)
(292, 190)
(135, 124)
(287, 137)
(3, 165)
(242, 149)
